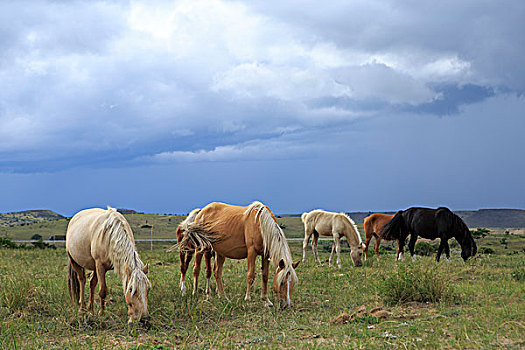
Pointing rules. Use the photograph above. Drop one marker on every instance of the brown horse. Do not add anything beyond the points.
(373, 226)
(100, 240)
(186, 255)
(244, 233)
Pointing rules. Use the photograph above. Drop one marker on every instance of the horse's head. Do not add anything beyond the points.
(283, 285)
(137, 295)
(468, 246)
(356, 252)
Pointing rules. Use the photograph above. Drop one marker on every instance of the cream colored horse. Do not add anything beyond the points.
(100, 240)
(244, 233)
(323, 223)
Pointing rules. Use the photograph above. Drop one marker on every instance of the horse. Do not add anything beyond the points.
(323, 223)
(237, 232)
(431, 224)
(100, 240)
(373, 226)
(186, 255)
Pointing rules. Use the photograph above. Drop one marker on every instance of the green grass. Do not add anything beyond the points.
(486, 310)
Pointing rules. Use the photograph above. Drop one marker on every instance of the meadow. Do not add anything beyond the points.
(451, 304)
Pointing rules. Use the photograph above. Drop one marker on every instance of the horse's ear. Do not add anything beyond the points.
(145, 269)
(295, 264)
(281, 264)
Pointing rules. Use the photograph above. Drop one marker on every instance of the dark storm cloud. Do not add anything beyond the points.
(117, 84)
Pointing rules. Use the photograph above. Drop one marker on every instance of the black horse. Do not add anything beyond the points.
(430, 223)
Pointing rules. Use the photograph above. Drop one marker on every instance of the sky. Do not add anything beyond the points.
(165, 106)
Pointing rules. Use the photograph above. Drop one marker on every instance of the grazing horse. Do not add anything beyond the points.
(323, 223)
(373, 226)
(244, 233)
(186, 255)
(431, 224)
(100, 240)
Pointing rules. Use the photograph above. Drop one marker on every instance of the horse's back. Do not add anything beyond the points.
(325, 223)
(79, 236)
(378, 219)
(229, 222)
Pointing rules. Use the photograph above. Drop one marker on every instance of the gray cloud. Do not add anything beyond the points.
(114, 84)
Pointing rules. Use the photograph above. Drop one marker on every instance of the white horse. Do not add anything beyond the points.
(323, 223)
(100, 240)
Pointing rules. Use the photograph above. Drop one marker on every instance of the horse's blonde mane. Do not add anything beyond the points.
(116, 234)
(190, 218)
(354, 226)
(274, 241)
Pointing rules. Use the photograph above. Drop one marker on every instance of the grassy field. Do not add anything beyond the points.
(479, 304)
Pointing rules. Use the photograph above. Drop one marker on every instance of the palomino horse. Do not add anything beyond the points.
(100, 240)
(186, 255)
(244, 233)
(430, 223)
(323, 223)
(373, 226)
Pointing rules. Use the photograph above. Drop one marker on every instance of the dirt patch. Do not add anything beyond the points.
(361, 312)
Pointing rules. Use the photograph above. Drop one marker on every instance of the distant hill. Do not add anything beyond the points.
(493, 217)
(28, 217)
(504, 218)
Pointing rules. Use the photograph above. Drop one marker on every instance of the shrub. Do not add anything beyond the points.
(425, 249)
(519, 274)
(422, 281)
(7, 243)
(480, 232)
(486, 250)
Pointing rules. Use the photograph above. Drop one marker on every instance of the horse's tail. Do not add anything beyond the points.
(198, 238)
(393, 229)
(72, 283)
(303, 217)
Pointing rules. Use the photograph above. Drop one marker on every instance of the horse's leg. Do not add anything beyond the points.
(447, 250)
(103, 289)
(412, 246)
(196, 272)
(185, 258)
(92, 285)
(368, 238)
(337, 245)
(307, 236)
(265, 272)
(401, 248)
(376, 246)
(250, 276)
(331, 254)
(314, 248)
(440, 249)
(217, 271)
(207, 260)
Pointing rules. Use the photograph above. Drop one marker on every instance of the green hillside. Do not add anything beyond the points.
(28, 217)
